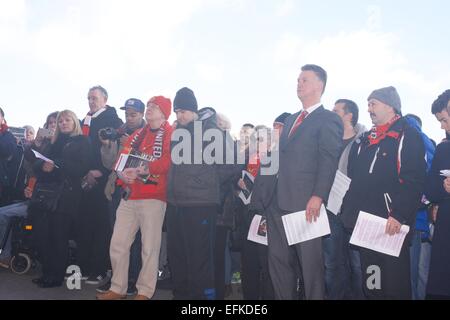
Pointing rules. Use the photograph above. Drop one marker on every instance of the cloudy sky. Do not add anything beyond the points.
(241, 57)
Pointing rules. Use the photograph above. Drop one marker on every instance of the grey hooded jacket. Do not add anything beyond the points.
(193, 185)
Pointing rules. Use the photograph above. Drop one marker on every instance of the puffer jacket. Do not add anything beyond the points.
(189, 184)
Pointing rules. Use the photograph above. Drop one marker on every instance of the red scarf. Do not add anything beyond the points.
(253, 165)
(378, 133)
(136, 147)
(3, 127)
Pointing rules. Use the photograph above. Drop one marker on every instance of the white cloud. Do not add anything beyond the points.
(210, 72)
(12, 10)
(235, 5)
(287, 49)
(13, 18)
(136, 36)
(375, 18)
(285, 8)
(358, 62)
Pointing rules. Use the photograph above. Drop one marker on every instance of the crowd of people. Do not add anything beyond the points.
(144, 198)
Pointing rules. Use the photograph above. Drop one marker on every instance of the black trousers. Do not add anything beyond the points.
(221, 236)
(395, 275)
(190, 241)
(60, 226)
(94, 233)
(52, 232)
(256, 281)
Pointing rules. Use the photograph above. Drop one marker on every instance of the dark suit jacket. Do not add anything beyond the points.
(308, 159)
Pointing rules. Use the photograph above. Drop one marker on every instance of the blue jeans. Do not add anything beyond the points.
(343, 275)
(420, 265)
(6, 213)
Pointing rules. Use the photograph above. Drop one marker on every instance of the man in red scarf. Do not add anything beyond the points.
(387, 167)
(145, 206)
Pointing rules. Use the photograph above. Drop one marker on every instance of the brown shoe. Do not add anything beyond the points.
(110, 295)
(141, 297)
(4, 263)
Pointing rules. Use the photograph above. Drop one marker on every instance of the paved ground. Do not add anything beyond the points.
(15, 287)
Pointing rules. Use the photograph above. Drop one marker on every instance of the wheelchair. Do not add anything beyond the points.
(24, 255)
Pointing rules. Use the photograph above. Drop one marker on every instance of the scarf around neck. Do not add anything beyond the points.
(378, 133)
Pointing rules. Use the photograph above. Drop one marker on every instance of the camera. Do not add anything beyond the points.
(110, 134)
(18, 133)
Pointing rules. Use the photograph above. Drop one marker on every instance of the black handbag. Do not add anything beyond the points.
(46, 196)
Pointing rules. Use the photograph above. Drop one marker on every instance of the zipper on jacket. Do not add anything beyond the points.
(374, 161)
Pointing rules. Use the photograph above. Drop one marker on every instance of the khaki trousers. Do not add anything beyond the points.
(132, 215)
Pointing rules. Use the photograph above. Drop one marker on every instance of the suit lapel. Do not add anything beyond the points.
(309, 119)
(287, 128)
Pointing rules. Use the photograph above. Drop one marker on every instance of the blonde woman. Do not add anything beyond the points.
(69, 156)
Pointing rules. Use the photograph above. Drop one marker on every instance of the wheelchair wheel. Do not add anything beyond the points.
(21, 263)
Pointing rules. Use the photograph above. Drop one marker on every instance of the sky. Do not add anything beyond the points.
(241, 57)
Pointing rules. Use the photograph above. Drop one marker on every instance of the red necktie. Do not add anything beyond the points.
(298, 122)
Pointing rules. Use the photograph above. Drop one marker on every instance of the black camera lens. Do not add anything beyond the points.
(109, 134)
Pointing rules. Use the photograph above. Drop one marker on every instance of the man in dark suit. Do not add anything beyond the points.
(310, 147)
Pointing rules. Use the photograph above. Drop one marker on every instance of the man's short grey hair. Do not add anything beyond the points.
(101, 89)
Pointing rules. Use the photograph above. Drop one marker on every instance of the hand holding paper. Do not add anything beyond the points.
(313, 209)
(370, 233)
(246, 194)
(258, 230)
(393, 226)
(48, 166)
(298, 229)
(447, 185)
(42, 157)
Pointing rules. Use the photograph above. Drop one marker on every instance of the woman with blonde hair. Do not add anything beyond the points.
(69, 156)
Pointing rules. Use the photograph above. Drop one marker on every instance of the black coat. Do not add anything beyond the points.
(72, 156)
(12, 174)
(367, 188)
(200, 184)
(439, 275)
(107, 119)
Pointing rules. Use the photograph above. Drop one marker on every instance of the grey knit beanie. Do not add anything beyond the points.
(389, 96)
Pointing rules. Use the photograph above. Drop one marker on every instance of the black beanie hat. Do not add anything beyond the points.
(185, 100)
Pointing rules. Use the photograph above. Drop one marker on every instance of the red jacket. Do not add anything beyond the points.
(158, 168)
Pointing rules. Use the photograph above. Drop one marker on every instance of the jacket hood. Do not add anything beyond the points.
(208, 116)
(360, 130)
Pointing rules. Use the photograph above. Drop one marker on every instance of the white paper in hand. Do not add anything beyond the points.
(249, 180)
(340, 187)
(42, 157)
(370, 233)
(299, 230)
(258, 230)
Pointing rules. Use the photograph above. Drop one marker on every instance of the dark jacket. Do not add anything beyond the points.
(107, 119)
(72, 157)
(374, 170)
(439, 275)
(189, 184)
(12, 174)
